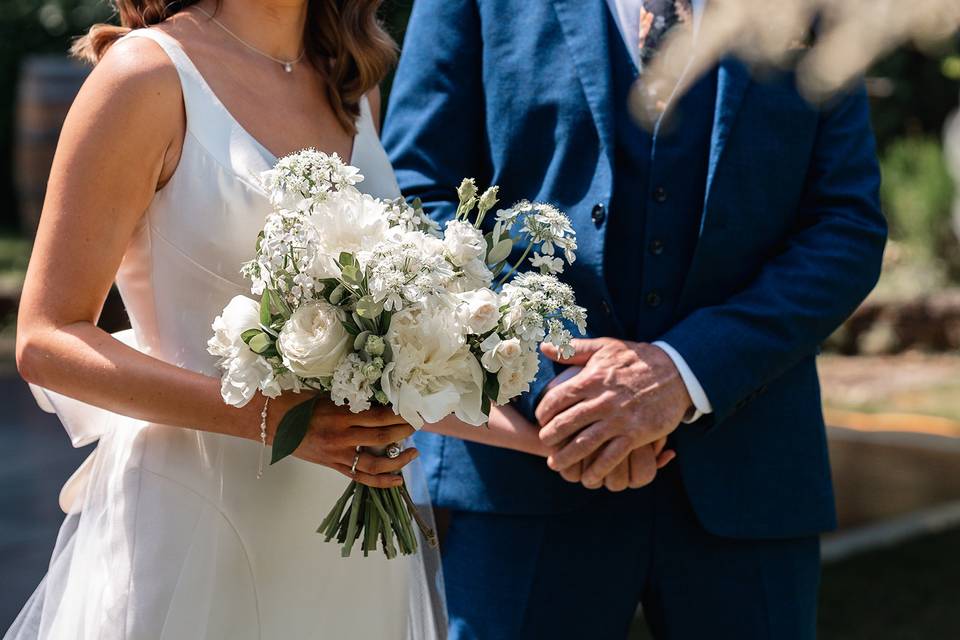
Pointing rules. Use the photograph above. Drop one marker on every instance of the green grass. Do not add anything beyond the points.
(909, 592)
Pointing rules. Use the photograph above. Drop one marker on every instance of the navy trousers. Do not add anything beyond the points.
(582, 574)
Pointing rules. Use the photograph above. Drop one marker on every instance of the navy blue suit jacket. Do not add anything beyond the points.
(790, 240)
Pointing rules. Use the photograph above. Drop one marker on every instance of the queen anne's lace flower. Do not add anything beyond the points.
(405, 268)
(307, 175)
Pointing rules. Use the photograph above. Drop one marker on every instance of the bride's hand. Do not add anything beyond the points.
(335, 433)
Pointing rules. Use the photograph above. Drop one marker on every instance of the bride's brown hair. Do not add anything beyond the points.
(343, 38)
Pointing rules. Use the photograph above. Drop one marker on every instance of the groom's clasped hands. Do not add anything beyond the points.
(607, 425)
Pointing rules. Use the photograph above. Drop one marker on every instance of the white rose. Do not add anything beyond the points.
(313, 342)
(515, 366)
(498, 353)
(463, 242)
(480, 310)
(516, 377)
(244, 372)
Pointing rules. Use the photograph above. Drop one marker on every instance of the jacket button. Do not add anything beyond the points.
(660, 195)
(656, 247)
(654, 299)
(599, 213)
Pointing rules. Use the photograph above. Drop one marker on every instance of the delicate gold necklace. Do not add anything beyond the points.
(286, 64)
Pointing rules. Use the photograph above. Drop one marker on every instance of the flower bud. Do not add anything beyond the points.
(375, 345)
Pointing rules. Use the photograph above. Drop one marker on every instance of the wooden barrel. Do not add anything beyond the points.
(48, 85)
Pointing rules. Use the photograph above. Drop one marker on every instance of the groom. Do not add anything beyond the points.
(716, 253)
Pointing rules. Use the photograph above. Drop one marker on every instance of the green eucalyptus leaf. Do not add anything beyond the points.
(500, 252)
(247, 335)
(351, 274)
(292, 429)
(266, 317)
(347, 259)
(337, 294)
(260, 343)
(360, 341)
(368, 308)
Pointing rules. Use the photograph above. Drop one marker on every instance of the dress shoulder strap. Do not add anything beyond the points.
(208, 120)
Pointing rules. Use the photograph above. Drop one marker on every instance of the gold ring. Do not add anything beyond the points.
(356, 459)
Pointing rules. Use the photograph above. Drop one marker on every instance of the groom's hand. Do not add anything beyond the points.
(629, 395)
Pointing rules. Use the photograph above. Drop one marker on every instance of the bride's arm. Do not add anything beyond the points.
(120, 142)
(507, 429)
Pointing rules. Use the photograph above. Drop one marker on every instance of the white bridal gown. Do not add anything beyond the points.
(169, 534)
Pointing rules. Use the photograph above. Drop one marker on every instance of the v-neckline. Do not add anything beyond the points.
(270, 155)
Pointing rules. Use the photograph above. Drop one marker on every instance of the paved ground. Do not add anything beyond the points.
(35, 459)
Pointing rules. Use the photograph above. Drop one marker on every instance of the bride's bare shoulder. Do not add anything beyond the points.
(137, 78)
(132, 97)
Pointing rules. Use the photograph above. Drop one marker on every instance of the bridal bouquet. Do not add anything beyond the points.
(369, 302)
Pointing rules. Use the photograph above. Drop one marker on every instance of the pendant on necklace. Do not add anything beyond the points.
(288, 67)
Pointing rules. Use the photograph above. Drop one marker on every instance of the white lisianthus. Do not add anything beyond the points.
(313, 342)
(463, 242)
(351, 383)
(243, 370)
(515, 366)
(480, 310)
(433, 373)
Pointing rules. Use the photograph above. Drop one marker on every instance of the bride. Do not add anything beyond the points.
(169, 533)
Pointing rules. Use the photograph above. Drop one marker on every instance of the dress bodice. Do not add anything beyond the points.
(183, 263)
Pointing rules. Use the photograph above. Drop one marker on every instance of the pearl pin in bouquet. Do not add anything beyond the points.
(369, 302)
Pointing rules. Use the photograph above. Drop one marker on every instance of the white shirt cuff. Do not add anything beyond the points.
(701, 404)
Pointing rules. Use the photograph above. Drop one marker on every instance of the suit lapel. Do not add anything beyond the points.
(584, 26)
(733, 78)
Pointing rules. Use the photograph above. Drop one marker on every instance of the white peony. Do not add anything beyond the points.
(479, 310)
(433, 373)
(464, 243)
(348, 221)
(243, 370)
(313, 342)
(515, 366)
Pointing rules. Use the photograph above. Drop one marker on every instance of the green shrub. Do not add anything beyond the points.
(917, 194)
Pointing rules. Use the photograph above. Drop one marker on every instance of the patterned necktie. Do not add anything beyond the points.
(657, 19)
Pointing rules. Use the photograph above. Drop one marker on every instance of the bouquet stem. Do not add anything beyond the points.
(375, 514)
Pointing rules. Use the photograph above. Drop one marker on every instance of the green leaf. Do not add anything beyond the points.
(336, 295)
(351, 274)
(500, 252)
(491, 386)
(265, 316)
(350, 327)
(260, 343)
(347, 259)
(247, 335)
(360, 341)
(277, 300)
(292, 429)
(485, 405)
(368, 308)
